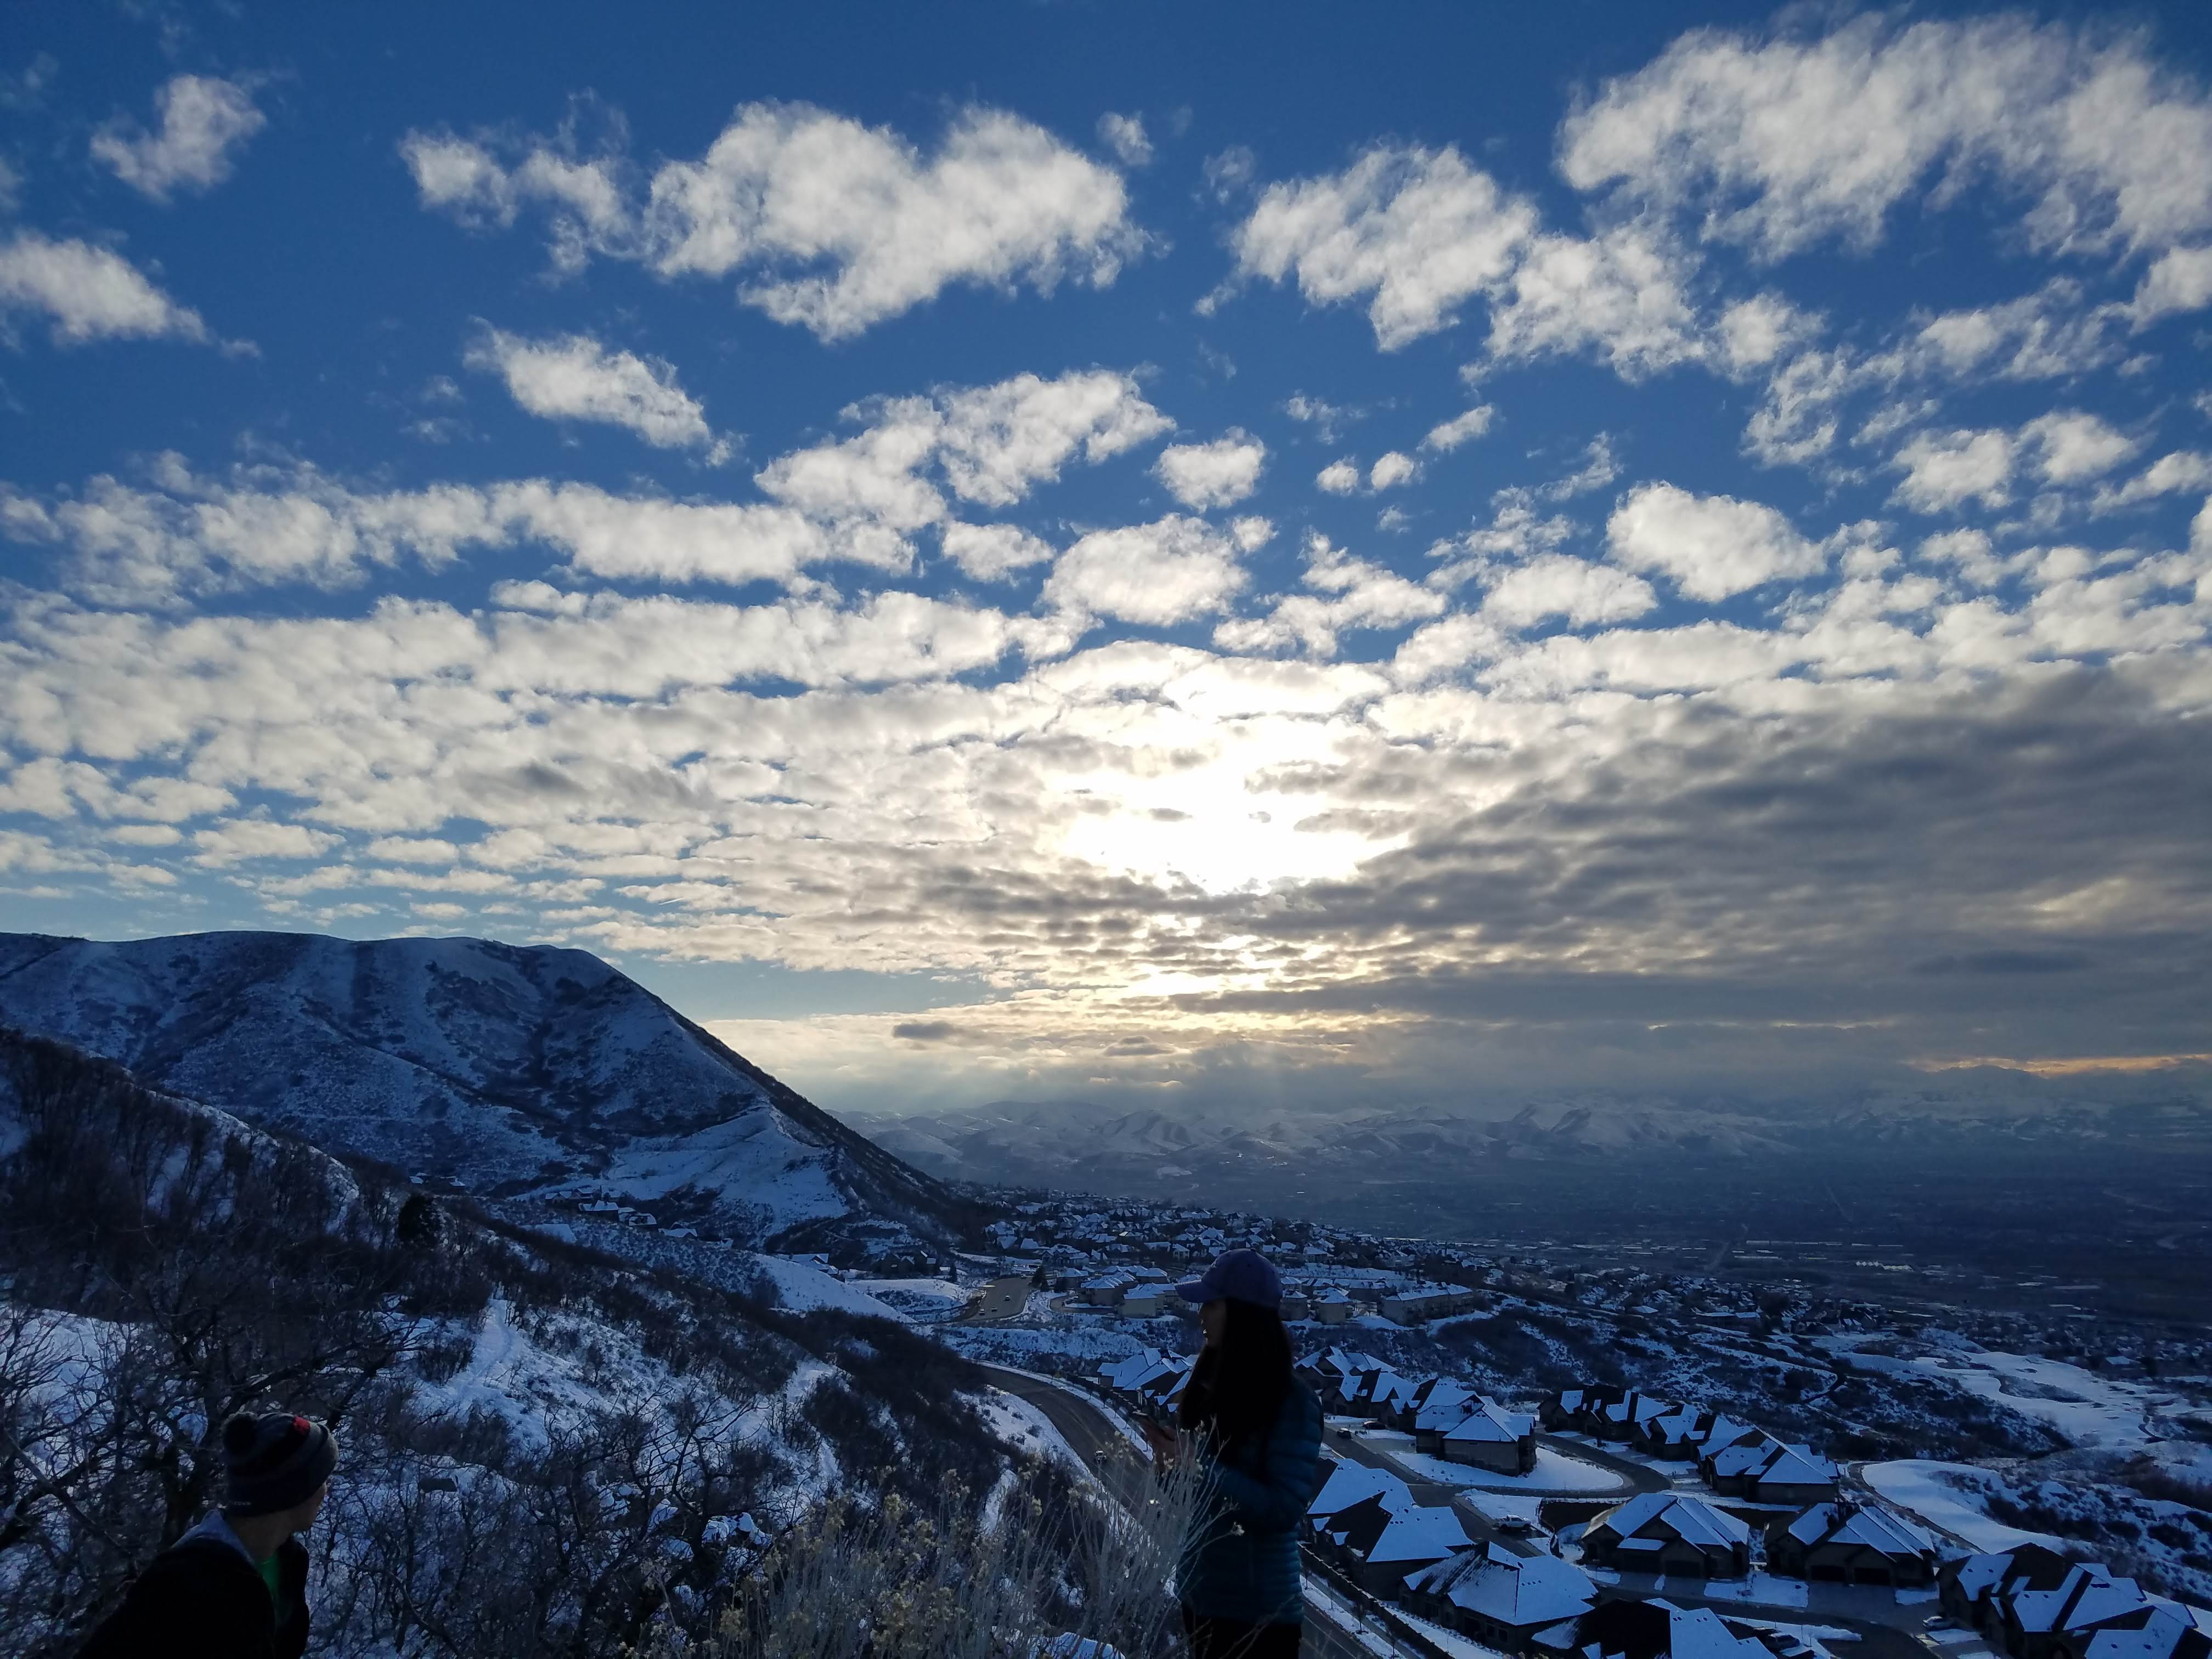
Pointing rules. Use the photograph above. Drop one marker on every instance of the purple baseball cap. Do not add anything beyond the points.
(1240, 1275)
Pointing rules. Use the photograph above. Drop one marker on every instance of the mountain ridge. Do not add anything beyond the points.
(510, 1070)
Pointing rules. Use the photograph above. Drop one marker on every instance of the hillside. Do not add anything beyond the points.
(505, 1070)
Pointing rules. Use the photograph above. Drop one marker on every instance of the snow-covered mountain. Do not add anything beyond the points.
(508, 1070)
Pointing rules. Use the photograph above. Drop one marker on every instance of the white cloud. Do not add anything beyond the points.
(1325, 417)
(1619, 297)
(1945, 470)
(2179, 281)
(243, 839)
(2183, 472)
(204, 121)
(1391, 470)
(1360, 594)
(1599, 467)
(1712, 547)
(833, 225)
(1125, 135)
(1756, 331)
(1001, 202)
(1414, 232)
(1157, 574)
(88, 293)
(1782, 144)
(991, 552)
(573, 377)
(1448, 435)
(2073, 446)
(1216, 474)
(998, 441)
(1337, 477)
(1557, 585)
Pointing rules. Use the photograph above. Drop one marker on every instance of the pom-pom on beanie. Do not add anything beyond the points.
(274, 1462)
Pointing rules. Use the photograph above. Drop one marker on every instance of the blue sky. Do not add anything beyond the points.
(1292, 553)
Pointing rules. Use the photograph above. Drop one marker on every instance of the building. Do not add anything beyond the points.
(1437, 1402)
(1505, 1599)
(1766, 1471)
(1972, 1588)
(1848, 1543)
(1488, 1437)
(1346, 1483)
(1419, 1304)
(1295, 1306)
(1664, 1532)
(1143, 1301)
(1332, 1307)
(1379, 1546)
(1658, 1629)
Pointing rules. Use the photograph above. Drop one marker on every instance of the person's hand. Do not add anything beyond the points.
(1162, 1441)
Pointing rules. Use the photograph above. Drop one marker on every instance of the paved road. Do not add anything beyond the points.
(997, 1302)
(1107, 1450)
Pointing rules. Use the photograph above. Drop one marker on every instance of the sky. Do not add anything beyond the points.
(1283, 555)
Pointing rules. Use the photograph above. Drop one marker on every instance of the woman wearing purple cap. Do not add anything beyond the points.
(1256, 1430)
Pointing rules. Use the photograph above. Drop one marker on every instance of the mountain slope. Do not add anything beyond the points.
(507, 1069)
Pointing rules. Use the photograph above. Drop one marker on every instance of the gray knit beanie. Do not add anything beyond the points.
(274, 1462)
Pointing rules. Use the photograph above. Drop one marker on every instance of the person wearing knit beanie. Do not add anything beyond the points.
(234, 1587)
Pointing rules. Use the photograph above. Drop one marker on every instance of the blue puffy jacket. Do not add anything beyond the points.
(1240, 1554)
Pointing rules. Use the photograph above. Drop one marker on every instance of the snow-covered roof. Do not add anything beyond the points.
(1742, 1459)
(1691, 1519)
(1348, 1483)
(1491, 1424)
(2157, 1637)
(1795, 1465)
(1422, 1532)
(1522, 1590)
(1866, 1525)
(2088, 1596)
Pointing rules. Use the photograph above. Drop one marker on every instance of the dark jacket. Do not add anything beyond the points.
(1240, 1555)
(202, 1599)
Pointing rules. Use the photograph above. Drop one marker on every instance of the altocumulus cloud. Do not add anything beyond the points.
(1000, 203)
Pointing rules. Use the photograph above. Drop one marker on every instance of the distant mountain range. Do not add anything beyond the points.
(505, 1070)
(1066, 1143)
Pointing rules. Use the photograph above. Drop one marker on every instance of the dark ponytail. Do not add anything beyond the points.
(1236, 1390)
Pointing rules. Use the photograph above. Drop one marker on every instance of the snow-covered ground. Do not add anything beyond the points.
(1017, 1423)
(1556, 1475)
(1948, 1497)
(2087, 1409)
(803, 1288)
(924, 1301)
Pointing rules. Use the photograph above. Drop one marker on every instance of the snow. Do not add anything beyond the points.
(2087, 1410)
(1942, 1495)
(924, 1301)
(802, 1288)
(1014, 1422)
(1450, 1641)
(1556, 1474)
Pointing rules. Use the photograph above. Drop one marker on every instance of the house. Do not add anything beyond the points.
(1489, 1436)
(1728, 1469)
(1419, 1304)
(1500, 1598)
(1437, 1403)
(1123, 1376)
(1848, 1543)
(1347, 1483)
(1664, 1532)
(1332, 1307)
(1685, 1433)
(1658, 1629)
(1972, 1588)
(2060, 1622)
(1295, 1306)
(1145, 1301)
(2166, 1631)
(1792, 1474)
(1379, 1558)
(1105, 1289)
